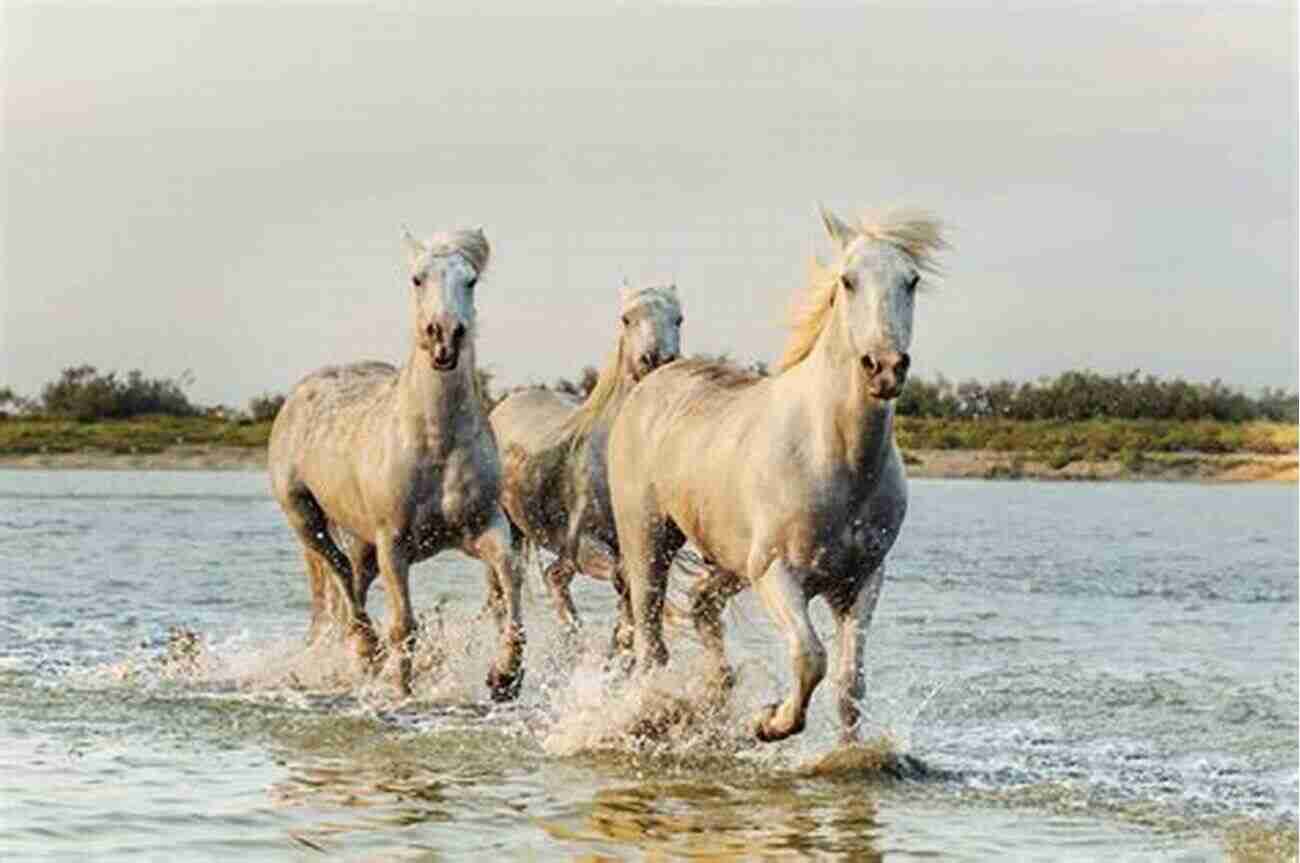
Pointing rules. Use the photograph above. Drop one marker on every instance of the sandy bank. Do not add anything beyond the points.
(1166, 467)
(938, 464)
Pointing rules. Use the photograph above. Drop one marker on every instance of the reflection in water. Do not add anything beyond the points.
(370, 785)
(726, 822)
(362, 782)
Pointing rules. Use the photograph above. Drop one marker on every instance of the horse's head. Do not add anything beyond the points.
(878, 271)
(652, 328)
(443, 274)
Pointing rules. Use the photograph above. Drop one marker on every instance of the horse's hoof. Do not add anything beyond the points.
(761, 720)
(504, 687)
(622, 664)
(764, 731)
(724, 679)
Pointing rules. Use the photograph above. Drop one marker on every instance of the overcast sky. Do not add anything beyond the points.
(220, 188)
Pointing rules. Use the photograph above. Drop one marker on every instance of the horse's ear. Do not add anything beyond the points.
(672, 288)
(414, 249)
(625, 289)
(839, 231)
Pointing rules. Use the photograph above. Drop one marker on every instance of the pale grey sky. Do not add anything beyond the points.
(221, 187)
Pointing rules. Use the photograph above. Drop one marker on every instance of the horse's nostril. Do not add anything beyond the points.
(458, 333)
(904, 362)
(869, 363)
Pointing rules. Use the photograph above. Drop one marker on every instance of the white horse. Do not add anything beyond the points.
(791, 483)
(556, 489)
(401, 464)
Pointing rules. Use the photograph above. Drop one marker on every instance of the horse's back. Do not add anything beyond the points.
(530, 419)
(323, 410)
(529, 428)
(695, 402)
(684, 436)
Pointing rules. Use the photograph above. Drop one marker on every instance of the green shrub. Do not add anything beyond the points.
(1060, 458)
(263, 408)
(83, 393)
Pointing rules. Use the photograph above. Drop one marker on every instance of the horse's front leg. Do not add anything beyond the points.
(646, 560)
(782, 592)
(852, 618)
(394, 566)
(496, 547)
(365, 569)
(324, 612)
(708, 600)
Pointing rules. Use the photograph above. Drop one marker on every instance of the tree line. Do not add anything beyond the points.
(84, 393)
(1084, 395)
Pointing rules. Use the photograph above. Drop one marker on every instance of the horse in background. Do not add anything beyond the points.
(555, 486)
(400, 464)
(791, 484)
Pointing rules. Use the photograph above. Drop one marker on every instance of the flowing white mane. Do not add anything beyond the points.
(916, 234)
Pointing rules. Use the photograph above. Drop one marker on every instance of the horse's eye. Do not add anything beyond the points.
(680, 319)
(625, 321)
(417, 280)
(847, 281)
(471, 283)
(916, 280)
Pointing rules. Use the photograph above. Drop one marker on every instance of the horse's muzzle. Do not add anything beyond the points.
(444, 358)
(444, 352)
(886, 373)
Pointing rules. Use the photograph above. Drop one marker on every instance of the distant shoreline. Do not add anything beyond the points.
(921, 464)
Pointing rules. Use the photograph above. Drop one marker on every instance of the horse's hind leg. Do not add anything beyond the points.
(308, 521)
(782, 591)
(498, 548)
(557, 577)
(852, 618)
(598, 560)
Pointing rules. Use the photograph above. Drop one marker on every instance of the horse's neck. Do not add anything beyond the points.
(442, 407)
(850, 429)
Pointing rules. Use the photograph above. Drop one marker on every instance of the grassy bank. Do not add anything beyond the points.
(142, 436)
(1095, 440)
(1096, 449)
(1056, 441)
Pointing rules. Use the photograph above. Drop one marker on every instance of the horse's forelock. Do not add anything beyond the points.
(916, 233)
(664, 294)
(471, 243)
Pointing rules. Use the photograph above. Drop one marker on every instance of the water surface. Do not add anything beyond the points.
(1083, 671)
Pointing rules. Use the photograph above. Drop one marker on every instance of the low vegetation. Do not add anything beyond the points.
(1064, 441)
(1077, 416)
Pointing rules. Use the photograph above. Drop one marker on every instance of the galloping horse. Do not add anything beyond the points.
(556, 488)
(401, 464)
(791, 483)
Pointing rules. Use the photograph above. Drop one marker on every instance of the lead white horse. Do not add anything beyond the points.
(556, 490)
(401, 464)
(791, 484)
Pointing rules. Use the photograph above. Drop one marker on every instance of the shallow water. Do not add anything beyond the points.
(1068, 671)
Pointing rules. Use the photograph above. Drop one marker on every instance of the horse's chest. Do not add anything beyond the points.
(849, 537)
(451, 501)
